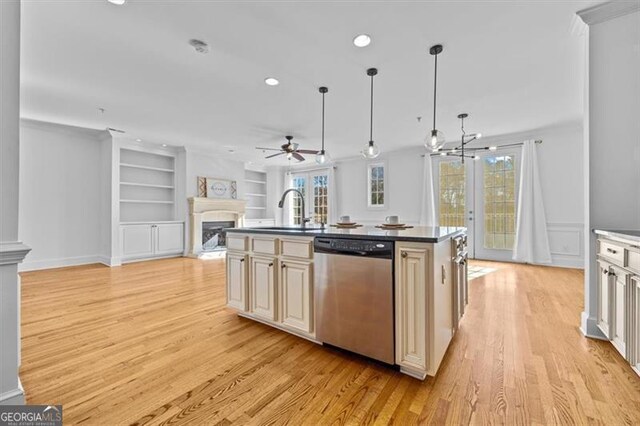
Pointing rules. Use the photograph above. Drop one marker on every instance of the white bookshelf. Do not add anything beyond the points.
(147, 186)
(255, 183)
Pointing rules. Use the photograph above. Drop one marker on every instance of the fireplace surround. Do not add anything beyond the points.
(202, 210)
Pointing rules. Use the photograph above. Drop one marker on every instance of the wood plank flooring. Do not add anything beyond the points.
(152, 343)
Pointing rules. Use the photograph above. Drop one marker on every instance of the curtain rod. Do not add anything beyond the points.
(486, 148)
(312, 170)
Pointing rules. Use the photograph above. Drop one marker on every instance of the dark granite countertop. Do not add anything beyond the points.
(624, 234)
(421, 234)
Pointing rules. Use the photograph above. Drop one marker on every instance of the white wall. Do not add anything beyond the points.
(612, 146)
(60, 194)
(562, 177)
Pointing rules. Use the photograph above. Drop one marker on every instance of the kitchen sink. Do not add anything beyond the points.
(288, 229)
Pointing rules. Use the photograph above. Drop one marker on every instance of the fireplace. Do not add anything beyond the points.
(209, 216)
(213, 235)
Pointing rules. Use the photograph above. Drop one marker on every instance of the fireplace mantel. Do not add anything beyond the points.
(209, 210)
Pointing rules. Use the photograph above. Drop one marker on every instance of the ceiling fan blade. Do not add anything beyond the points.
(274, 155)
(268, 149)
(297, 156)
(306, 151)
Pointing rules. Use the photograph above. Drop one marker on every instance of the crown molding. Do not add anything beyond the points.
(13, 252)
(607, 11)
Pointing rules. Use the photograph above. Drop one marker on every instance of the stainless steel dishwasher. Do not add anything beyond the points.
(354, 295)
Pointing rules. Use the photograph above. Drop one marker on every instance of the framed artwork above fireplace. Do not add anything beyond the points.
(217, 188)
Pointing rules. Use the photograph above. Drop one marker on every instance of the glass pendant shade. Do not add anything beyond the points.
(434, 141)
(370, 150)
(322, 157)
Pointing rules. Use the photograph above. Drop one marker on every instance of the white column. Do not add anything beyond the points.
(11, 250)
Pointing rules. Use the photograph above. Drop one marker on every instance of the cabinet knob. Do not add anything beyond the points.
(242, 260)
(403, 254)
(271, 264)
(611, 250)
(283, 266)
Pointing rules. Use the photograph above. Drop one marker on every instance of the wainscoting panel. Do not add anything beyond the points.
(566, 243)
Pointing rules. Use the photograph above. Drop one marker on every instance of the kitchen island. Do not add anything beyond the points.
(334, 286)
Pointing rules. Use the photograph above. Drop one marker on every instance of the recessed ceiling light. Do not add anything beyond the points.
(138, 140)
(270, 81)
(362, 40)
(232, 151)
(164, 145)
(117, 2)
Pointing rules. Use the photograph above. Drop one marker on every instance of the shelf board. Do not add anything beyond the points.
(261, 182)
(255, 208)
(137, 166)
(147, 185)
(255, 195)
(146, 201)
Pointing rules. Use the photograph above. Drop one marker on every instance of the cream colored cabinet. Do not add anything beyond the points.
(620, 300)
(634, 335)
(262, 285)
(604, 298)
(296, 299)
(237, 281)
(410, 294)
(169, 238)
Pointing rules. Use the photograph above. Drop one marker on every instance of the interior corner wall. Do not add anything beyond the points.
(613, 183)
(60, 195)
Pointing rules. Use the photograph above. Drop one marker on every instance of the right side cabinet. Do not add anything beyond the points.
(618, 286)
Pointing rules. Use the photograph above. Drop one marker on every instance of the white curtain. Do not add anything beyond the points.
(332, 187)
(428, 212)
(286, 209)
(532, 241)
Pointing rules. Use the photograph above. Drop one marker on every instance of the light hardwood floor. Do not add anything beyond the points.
(152, 343)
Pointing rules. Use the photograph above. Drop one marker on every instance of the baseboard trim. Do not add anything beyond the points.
(589, 327)
(58, 263)
(14, 396)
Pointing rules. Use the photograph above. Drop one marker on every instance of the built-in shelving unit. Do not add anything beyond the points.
(256, 194)
(147, 186)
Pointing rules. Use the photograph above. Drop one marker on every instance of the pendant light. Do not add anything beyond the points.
(435, 140)
(371, 150)
(322, 157)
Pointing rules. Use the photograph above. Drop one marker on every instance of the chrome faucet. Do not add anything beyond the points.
(303, 219)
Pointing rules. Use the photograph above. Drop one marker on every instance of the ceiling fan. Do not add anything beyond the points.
(290, 149)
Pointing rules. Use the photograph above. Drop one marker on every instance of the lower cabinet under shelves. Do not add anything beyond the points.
(270, 280)
(149, 240)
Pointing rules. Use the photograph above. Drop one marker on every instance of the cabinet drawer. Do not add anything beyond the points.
(296, 248)
(611, 251)
(236, 242)
(264, 245)
(633, 260)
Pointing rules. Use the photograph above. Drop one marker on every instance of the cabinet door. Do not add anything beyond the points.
(634, 339)
(262, 284)
(169, 238)
(136, 240)
(236, 281)
(411, 276)
(619, 314)
(604, 299)
(296, 298)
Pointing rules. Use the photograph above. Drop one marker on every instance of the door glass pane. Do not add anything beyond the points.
(320, 199)
(499, 180)
(452, 193)
(299, 183)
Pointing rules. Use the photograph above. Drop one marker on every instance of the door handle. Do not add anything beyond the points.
(271, 264)
(283, 266)
(611, 250)
(242, 260)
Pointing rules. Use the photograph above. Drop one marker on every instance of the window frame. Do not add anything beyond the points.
(370, 167)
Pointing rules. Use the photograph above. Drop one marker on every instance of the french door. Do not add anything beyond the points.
(314, 186)
(482, 195)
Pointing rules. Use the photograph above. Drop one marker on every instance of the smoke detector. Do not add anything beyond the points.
(199, 45)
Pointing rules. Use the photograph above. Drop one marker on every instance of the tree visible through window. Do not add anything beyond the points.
(300, 184)
(499, 201)
(320, 199)
(452, 194)
(376, 185)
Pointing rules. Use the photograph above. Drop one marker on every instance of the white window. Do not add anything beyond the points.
(315, 189)
(376, 184)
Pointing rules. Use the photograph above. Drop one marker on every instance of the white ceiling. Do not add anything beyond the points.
(513, 66)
